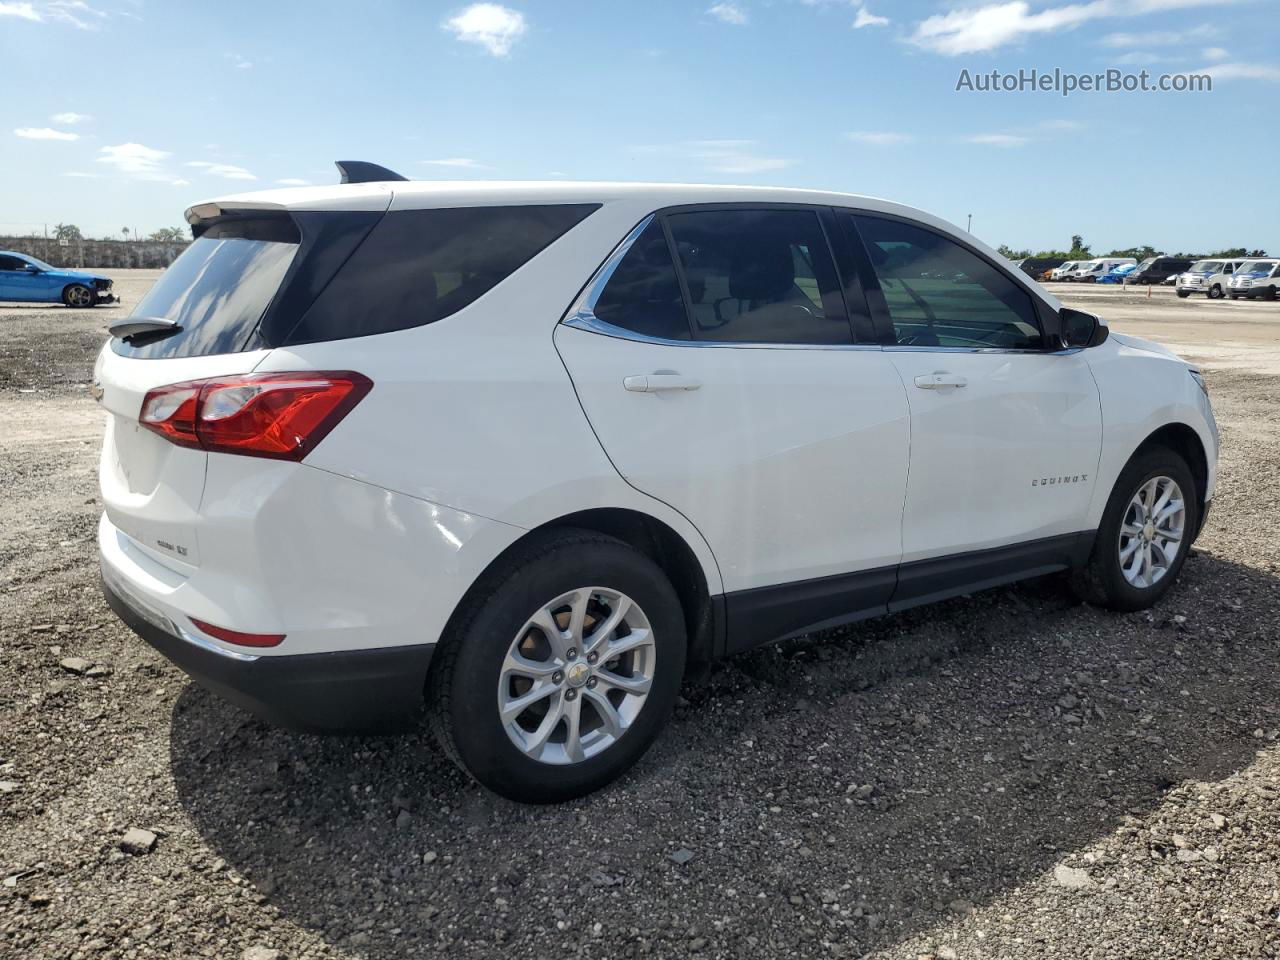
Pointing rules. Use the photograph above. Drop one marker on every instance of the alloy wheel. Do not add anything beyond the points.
(1151, 532)
(576, 675)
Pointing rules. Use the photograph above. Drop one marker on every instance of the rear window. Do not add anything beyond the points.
(419, 266)
(217, 290)
(279, 281)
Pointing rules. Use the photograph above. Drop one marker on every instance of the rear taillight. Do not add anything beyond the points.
(277, 415)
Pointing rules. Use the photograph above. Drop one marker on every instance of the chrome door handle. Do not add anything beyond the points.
(934, 381)
(659, 383)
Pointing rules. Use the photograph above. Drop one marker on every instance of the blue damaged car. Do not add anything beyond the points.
(25, 278)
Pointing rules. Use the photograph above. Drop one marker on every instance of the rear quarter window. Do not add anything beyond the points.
(419, 266)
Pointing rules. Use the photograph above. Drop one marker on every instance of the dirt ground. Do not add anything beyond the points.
(1011, 774)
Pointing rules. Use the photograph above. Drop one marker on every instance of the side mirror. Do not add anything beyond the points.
(1080, 329)
(32, 268)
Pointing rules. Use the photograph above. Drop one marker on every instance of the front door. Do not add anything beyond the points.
(1005, 434)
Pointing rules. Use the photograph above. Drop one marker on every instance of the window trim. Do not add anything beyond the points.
(581, 313)
(1046, 318)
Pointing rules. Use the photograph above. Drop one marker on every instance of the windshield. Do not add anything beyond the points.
(1256, 266)
(1146, 263)
(217, 290)
(1206, 266)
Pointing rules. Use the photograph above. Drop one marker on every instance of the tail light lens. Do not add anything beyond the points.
(278, 415)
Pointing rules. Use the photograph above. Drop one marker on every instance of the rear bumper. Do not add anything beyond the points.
(371, 691)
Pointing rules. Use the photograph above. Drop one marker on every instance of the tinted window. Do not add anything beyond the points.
(759, 276)
(218, 289)
(418, 266)
(643, 294)
(11, 263)
(940, 294)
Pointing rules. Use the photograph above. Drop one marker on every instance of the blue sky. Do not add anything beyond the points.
(124, 112)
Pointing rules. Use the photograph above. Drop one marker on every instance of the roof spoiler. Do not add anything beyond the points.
(358, 171)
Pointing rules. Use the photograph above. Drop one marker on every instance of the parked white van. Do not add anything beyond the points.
(1209, 277)
(1090, 270)
(1255, 278)
(1067, 269)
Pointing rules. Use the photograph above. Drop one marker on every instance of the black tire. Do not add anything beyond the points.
(1215, 292)
(1234, 297)
(80, 296)
(1101, 581)
(1270, 294)
(463, 686)
(1183, 294)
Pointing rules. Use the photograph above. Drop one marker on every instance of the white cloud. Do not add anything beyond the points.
(734, 156)
(490, 25)
(1215, 53)
(293, 182)
(1137, 58)
(22, 11)
(979, 29)
(879, 138)
(225, 170)
(729, 13)
(69, 118)
(866, 18)
(997, 140)
(44, 133)
(75, 12)
(1241, 71)
(79, 174)
(460, 162)
(1159, 38)
(239, 62)
(140, 162)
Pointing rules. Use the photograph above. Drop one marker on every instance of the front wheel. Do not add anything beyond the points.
(1146, 531)
(561, 669)
(1183, 294)
(78, 295)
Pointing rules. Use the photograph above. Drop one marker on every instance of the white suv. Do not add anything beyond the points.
(519, 453)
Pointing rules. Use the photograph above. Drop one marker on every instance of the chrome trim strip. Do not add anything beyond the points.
(595, 286)
(163, 622)
(589, 322)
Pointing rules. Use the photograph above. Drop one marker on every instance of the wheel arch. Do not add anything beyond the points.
(703, 613)
(1183, 440)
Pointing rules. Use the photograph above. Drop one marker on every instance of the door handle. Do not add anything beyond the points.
(659, 383)
(934, 381)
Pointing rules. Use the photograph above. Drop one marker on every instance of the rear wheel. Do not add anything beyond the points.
(78, 295)
(1271, 293)
(562, 670)
(1145, 533)
(1183, 294)
(1215, 292)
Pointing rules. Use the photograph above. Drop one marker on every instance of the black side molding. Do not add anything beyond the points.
(359, 171)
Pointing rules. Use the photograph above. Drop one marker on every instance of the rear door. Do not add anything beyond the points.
(1005, 431)
(735, 392)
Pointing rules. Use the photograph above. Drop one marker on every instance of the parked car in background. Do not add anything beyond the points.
(1118, 274)
(1255, 278)
(26, 279)
(1062, 273)
(719, 464)
(1209, 277)
(1155, 270)
(1091, 270)
(1035, 267)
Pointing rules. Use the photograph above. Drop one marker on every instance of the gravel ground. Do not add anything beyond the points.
(1007, 775)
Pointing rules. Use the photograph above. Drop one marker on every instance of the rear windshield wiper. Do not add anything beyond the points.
(143, 326)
